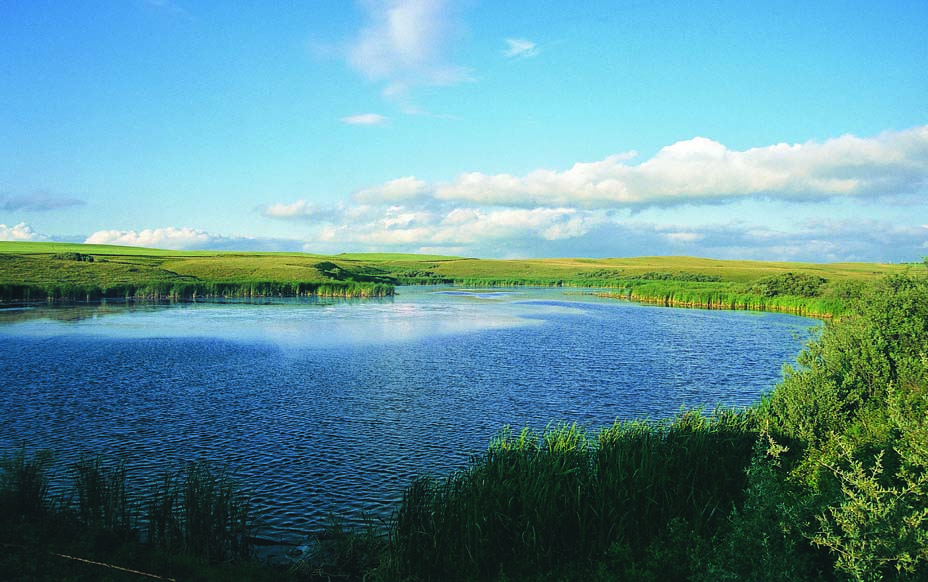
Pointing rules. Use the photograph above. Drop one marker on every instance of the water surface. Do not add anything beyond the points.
(324, 405)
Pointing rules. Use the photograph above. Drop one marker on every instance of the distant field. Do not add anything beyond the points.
(578, 269)
(233, 265)
(64, 270)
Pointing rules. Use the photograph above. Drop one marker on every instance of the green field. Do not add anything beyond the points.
(64, 271)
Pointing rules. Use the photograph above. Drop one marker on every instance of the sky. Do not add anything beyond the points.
(770, 130)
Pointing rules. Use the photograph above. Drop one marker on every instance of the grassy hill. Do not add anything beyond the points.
(63, 271)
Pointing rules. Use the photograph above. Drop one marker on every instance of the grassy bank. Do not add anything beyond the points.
(827, 479)
(35, 272)
(48, 272)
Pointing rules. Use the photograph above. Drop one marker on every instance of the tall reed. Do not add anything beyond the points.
(202, 512)
(24, 481)
(101, 495)
(539, 502)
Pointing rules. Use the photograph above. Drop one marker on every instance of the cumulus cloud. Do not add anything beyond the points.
(598, 208)
(520, 48)
(813, 240)
(458, 228)
(37, 202)
(166, 238)
(405, 43)
(701, 169)
(365, 119)
(294, 210)
(683, 237)
(20, 232)
(186, 238)
(400, 189)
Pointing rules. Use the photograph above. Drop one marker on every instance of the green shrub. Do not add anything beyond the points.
(796, 284)
(77, 257)
(855, 411)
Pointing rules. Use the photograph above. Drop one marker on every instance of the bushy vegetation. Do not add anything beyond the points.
(827, 479)
(796, 284)
(72, 256)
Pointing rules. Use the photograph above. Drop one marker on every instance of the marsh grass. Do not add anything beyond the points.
(733, 296)
(343, 551)
(201, 511)
(537, 502)
(24, 483)
(102, 499)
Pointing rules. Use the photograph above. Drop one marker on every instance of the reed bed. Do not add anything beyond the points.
(51, 293)
(102, 499)
(24, 483)
(199, 511)
(540, 502)
(728, 296)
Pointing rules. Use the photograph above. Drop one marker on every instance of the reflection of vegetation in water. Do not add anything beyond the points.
(826, 479)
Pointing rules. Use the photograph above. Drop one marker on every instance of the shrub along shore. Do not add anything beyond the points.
(825, 479)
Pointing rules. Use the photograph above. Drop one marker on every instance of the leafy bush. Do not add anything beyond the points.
(857, 410)
(78, 257)
(681, 276)
(796, 284)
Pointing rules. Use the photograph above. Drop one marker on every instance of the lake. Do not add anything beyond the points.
(326, 405)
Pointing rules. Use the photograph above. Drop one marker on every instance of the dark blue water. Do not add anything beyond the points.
(336, 406)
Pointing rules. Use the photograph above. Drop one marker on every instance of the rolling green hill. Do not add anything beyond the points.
(63, 271)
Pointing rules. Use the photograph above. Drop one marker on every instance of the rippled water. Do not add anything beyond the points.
(335, 406)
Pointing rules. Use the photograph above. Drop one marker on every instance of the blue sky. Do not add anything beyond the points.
(743, 130)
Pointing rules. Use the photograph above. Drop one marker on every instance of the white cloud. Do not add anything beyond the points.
(400, 189)
(459, 227)
(298, 209)
(166, 238)
(683, 237)
(20, 232)
(365, 119)
(700, 169)
(405, 42)
(600, 208)
(520, 48)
